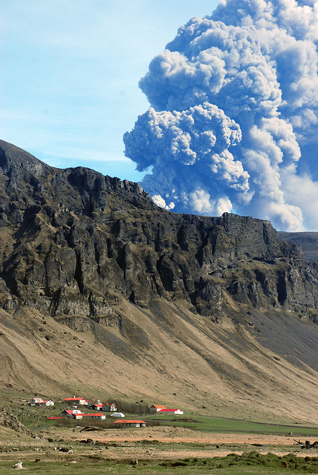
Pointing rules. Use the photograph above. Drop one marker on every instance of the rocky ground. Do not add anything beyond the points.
(147, 443)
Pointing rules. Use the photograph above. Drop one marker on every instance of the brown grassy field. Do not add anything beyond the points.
(156, 443)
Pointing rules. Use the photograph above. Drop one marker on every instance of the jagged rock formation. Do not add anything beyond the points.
(96, 254)
(73, 240)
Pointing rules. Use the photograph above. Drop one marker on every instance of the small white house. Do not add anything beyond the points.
(117, 414)
(78, 416)
(102, 417)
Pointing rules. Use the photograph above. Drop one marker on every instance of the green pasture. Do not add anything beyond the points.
(40, 456)
(218, 424)
(35, 419)
(204, 424)
(247, 463)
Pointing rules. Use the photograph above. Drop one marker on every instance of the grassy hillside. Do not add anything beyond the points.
(176, 358)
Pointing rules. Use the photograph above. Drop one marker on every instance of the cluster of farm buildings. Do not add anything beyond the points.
(102, 407)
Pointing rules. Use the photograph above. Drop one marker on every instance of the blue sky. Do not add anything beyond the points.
(70, 72)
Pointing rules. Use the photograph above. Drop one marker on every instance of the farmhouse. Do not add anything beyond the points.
(98, 407)
(109, 407)
(70, 412)
(131, 423)
(97, 415)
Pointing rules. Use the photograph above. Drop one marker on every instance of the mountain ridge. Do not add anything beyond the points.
(180, 253)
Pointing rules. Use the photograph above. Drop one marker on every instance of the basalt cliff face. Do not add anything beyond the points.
(91, 252)
(74, 240)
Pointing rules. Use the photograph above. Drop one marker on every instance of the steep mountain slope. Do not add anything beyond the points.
(102, 291)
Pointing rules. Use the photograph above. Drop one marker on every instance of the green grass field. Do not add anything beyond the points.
(41, 455)
(247, 463)
(217, 424)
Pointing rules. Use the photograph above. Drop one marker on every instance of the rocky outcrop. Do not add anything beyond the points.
(10, 421)
(74, 242)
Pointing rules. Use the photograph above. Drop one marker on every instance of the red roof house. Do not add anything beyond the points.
(70, 412)
(109, 407)
(94, 415)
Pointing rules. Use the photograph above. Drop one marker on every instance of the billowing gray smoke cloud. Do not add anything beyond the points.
(233, 119)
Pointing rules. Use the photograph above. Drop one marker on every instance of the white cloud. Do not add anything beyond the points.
(200, 202)
(223, 205)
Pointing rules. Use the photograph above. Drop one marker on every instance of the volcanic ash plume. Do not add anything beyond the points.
(233, 119)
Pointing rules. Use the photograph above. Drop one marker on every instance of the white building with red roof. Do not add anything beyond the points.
(70, 412)
(95, 415)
